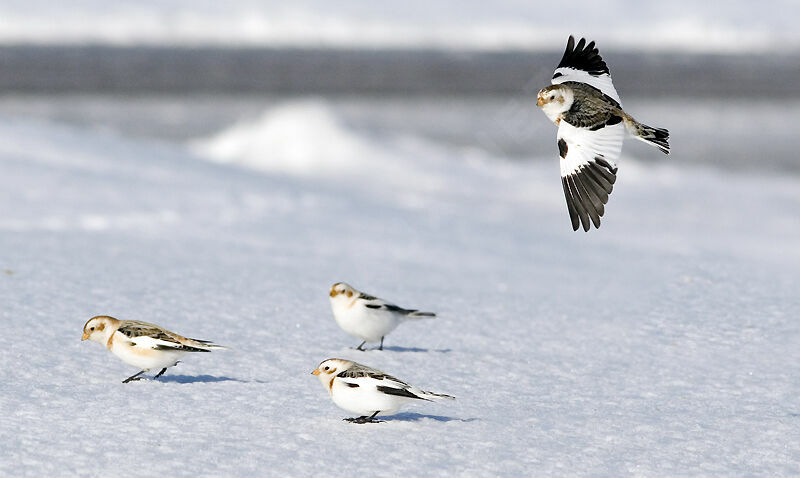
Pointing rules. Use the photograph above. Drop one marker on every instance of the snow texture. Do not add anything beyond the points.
(663, 344)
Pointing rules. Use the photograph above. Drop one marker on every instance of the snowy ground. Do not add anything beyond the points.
(663, 344)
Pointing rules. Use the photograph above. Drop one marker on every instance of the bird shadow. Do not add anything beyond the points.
(196, 379)
(415, 417)
(395, 348)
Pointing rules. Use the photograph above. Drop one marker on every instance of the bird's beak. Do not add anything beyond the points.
(334, 293)
(540, 101)
(84, 337)
(315, 372)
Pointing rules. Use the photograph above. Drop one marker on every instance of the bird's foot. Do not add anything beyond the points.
(364, 419)
(134, 377)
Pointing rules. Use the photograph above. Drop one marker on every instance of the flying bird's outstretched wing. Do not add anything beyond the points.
(583, 63)
(588, 169)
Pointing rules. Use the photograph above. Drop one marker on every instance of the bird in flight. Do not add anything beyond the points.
(584, 105)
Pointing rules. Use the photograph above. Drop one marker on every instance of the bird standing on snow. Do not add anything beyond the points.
(591, 123)
(366, 317)
(367, 391)
(143, 345)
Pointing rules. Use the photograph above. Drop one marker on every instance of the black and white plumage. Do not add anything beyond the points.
(367, 391)
(584, 104)
(366, 317)
(142, 344)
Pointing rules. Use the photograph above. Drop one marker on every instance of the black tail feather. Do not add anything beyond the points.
(658, 137)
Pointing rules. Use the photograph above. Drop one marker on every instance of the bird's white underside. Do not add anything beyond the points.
(143, 355)
(366, 399)
(363, 322)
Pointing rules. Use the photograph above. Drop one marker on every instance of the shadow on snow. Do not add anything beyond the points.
(395, 348)
(415, 417)
(196, 379)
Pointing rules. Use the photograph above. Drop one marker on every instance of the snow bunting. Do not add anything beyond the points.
(143, 345)
(591, 123)
(366, 317)
(367, 391)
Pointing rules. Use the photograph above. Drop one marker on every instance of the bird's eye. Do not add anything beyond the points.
(326, 368)
(91, 328)
(552, 97)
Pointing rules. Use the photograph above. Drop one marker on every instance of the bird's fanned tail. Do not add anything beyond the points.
(658, 137)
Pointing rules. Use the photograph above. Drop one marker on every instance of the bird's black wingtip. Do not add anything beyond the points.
(586, 192)
(583, 56)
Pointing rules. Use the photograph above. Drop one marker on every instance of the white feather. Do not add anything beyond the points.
(584, 145)
(367, 319)
(366, 399)
(602, 82)
(143, 355)
(366, 391)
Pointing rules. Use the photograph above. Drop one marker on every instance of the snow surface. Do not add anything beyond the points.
(663, 344)
(728, 27)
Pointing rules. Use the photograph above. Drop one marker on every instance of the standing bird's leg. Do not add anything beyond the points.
(160, 373)
(381, 347)
(134, 377)
(362, 344)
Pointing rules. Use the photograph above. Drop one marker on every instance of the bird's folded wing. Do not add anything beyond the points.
(148, 342)
(390, 307)
(135, 328)
(588, 170)
(372, 374)
(583, 63)
(399, 392)
(147, 335)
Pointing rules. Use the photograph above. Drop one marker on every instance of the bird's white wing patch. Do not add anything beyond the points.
(148, 342)
(583, 63)
(166, 344)
(370, 377)
(588, 170)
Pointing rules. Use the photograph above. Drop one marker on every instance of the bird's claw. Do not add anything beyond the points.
(361, 420)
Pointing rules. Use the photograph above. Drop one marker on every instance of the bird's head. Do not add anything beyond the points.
(99, 329)
(327, 370)
(555, 100)
(343, 291)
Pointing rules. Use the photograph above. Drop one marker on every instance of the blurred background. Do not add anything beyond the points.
(258, 82)
(397, 146)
